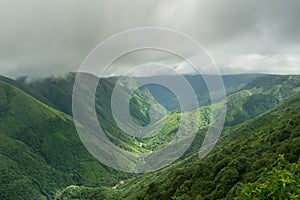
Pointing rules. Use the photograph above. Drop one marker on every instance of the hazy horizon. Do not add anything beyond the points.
(63, 76)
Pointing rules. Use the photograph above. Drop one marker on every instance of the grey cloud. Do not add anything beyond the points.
(42, 38)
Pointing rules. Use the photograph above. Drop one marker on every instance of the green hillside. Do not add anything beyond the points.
(252, 146)
(58, 91)
(40, 151)
(47, 136)
(259, 96)
(42, 156)
(246, 101)
(232, 83)
(244, 152)
(243, 155)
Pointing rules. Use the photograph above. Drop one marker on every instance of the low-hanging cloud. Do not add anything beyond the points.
(51, 38)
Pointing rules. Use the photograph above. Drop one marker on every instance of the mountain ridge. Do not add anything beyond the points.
(37, 138)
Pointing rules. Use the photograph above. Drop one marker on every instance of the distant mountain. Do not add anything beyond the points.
(232, 83)
(241, 156)
(58, 91)
(247, 97)
(42, 156)
(259, 96)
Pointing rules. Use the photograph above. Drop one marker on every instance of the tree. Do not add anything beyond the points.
(283, 182)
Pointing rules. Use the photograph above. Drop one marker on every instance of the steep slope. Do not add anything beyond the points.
(259, 96)
(40, 151)
(232, 83)
(240, 158)
(242, 105)
(248, 95)
(57, 91)
(252, 98)
(22, 85)
(33, 129)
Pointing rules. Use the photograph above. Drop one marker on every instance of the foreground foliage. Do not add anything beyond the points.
(283, 182)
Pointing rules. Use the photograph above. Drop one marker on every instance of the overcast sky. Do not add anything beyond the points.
(254, 36)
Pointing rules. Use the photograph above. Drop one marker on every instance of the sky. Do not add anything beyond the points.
(39, 38)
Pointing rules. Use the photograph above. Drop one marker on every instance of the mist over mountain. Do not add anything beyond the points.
(150, 100)
(42, 155)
